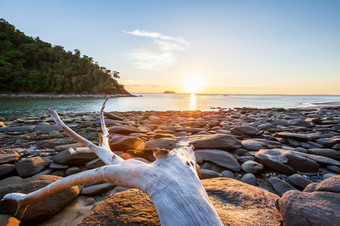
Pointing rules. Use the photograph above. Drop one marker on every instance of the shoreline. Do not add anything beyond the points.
(51, 95)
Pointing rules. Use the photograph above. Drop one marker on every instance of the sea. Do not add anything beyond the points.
(158, 102)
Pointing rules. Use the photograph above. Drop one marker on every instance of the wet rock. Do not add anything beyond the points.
(31, 166)
(299, 122)
(42, 209)
(133, 207)
(96, 189)
(252, 167)
(249, 178)
(218, 157)
(328, 175)
(299, 181)
(245, 130)
(123, 143)
(328, 142)
(214, 141)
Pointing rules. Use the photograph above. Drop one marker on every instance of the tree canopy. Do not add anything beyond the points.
(28, 64)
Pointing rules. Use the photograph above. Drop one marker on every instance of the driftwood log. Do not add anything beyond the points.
(171, 181)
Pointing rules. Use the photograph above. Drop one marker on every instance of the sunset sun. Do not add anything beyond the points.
(192, 84)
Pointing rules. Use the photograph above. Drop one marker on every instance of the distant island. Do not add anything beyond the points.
(169, 91)
(29, 64)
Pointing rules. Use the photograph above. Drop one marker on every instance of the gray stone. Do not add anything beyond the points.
(328, 175)
(72, 170)
(296, 136)
(330, 153)
(249, 178)
(299, 181)
(335, 169)
(66, 158)
(95, 163)
(111, 115)
(214, 141)
(31, 166)
(218, 157)
(252, 167)
(205, 174)
(280, 186)
(257, 144)
(286, 161)
(96, 189)
(331, 184)
(6, 169)
(227, 173)
(57, 166)
(125, 130)
(245, 130)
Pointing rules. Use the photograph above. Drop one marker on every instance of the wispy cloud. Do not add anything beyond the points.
(160, 54)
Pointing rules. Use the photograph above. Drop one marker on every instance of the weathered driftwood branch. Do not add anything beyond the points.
(171, 181)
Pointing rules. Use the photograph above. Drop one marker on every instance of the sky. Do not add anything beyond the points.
(229, 47)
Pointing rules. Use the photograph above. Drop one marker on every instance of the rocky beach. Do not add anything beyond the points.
(259, 166)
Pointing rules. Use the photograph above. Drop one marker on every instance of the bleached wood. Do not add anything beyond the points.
(171, 181)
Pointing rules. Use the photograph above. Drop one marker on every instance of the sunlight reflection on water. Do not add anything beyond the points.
(192, 103)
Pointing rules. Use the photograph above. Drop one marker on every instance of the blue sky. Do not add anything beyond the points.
(260, 47)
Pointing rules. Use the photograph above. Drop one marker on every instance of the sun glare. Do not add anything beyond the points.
(193, 84)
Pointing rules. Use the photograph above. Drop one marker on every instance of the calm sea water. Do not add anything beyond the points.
(158, 102)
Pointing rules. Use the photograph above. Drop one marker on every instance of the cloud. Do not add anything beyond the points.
(160, 54)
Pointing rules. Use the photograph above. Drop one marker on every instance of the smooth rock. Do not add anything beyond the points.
(113, 116)
(257, 144)
(6, 169)
(122, 143)
(280, 186)
(310, 208)
(252, 167)
(245, 130)
(8, 156)
(249, 178)
(299, 181)
(96, 189)
(162, 143)
(66, 158)
(236, 203)
(42, 209)
(227, 173)
(218, 157)
(214, 141)
(205, 174)
(125, 130)
(72, 170)
(330, 153)
(297, 136)
(31, 166)
(286, 161)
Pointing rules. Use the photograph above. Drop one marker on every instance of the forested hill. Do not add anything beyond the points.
(30, 65)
